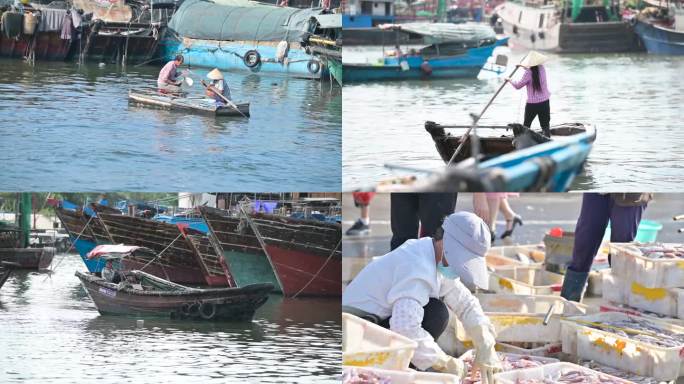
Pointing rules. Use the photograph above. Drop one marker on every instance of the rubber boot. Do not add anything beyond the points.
(573, 285)
(547, 132)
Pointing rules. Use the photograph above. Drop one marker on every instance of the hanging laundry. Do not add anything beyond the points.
(12, 24)
(67, 27)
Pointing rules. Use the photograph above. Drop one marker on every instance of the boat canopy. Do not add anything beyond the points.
(241, 20)
(444, 33)
(331, 21)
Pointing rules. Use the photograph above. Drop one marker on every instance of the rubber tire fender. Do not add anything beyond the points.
(252, 58)
(313, 67)
(203, 311)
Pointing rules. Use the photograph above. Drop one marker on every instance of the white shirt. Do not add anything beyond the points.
(400, 284)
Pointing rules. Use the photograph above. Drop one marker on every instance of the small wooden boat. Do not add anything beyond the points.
(490, 146)
(153, 97)
(6, 269)
(140, 293)
(526, 161)
(28, 258)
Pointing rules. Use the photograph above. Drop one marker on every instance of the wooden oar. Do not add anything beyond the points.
(225, 99)
(477, 118)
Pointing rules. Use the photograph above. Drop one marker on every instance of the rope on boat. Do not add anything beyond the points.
(73, 244)
(319, 270)
(159, 255)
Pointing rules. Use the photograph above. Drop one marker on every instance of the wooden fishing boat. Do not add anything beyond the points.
(142, 294)
(187, 250)
(550, 166)
(85, 230)
(6, 269)
(235, 240)
(490, 146)
(152, 97)
(28, 258)
(306, 254)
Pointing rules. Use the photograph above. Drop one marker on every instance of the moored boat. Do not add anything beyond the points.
(142, 294)
(6, 269)
(244, 35)
(447, 51)
(571, 27)
(663, 37)
(240, 248)
(28, 258)
(152, 97)
(306, 254)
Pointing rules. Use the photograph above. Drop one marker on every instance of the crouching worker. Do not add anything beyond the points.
(404, 291)
(217, 87)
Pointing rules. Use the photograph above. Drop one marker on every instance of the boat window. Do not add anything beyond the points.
(541, 20)
(520, 16)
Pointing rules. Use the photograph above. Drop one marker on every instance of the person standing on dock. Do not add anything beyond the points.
(217, 86)
(538, 94)
(623, 211)
(167, 81)
(405, 292)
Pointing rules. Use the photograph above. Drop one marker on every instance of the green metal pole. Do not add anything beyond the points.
(25, 218)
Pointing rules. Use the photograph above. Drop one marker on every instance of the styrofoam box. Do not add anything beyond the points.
(470, 354)
(627, 260)
(622, 352)
(664, 301)
(544, 371)
(408, 376)
(528, 280)
(507, 255)
(367, 344)
(519, 318)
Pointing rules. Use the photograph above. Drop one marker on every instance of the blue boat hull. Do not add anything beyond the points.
(660, 41)
(227, 55)
(468, 64)
(549, 167)
(83, 247)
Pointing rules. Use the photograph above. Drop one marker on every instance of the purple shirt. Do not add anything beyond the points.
(167, 74)
(533, 96)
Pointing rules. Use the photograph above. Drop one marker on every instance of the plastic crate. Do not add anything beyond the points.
(620, 352)
(519, 318)
(663, 301)
(509, 255)
(532, 280)
(559, 251)
(470, 354)
(531, 349)
(543, 372)
(407, 376)
(366, 344)
(628, 261)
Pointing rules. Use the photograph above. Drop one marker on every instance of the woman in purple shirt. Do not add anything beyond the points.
(538, 93)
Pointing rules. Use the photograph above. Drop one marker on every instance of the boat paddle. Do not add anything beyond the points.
(225, 99)
(478, 117)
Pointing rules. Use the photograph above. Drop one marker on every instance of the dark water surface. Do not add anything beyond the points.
(70, 128)
(634, 100)
(51, 332)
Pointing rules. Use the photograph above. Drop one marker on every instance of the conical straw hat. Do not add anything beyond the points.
(534, 58)
(215, 74)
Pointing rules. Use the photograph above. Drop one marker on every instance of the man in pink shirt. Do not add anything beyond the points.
(168, 76)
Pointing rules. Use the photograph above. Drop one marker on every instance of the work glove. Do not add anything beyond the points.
(486, 359)
(451, 365)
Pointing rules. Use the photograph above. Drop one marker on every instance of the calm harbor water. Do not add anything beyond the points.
(65, 127)
(51, 332)
(633, 99)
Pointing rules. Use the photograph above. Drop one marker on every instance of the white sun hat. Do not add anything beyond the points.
(466, 242)
(534, 58)
(215, 74)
